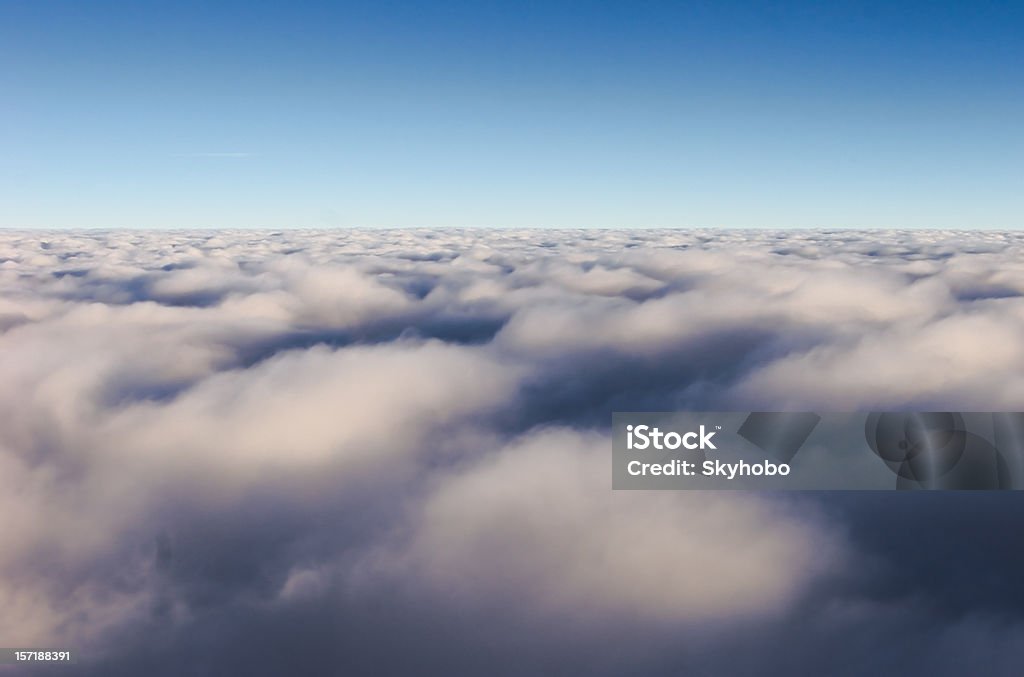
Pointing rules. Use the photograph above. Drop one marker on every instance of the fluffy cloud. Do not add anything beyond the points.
(373, 444)
(535, 527)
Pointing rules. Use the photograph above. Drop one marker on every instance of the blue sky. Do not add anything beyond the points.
(774, 114)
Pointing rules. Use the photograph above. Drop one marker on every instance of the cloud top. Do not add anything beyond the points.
(390, 448)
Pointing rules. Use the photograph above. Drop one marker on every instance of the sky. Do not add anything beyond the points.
(527, 114)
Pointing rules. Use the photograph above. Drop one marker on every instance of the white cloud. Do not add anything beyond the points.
(535, 527)
(419, 415)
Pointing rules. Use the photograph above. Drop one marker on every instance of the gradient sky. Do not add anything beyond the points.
(183, 114)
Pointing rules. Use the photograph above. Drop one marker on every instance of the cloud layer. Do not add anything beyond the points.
(376, 452)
